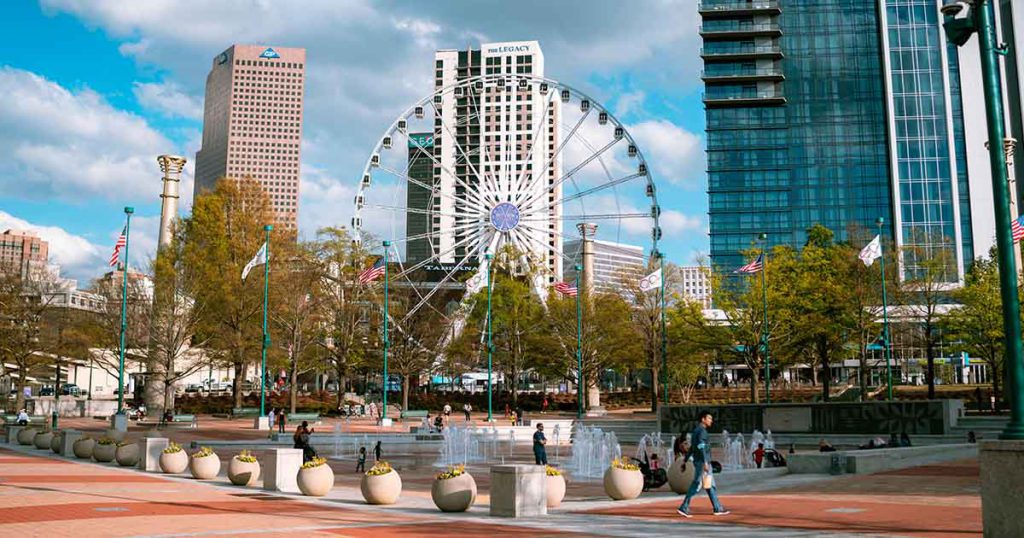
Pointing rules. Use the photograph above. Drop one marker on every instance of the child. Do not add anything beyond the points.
(361, 465)
(759, 455)
(654, 462)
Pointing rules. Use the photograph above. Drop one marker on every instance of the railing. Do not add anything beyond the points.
(746, 96)
(740, 51)
(735, 5)
(743, 73)
(740, 28)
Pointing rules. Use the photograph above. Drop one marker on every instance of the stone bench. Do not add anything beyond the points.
(245, 412)
(415, 413)
(877, 460)
(312, 418)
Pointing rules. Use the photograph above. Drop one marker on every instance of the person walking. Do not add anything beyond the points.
(301, 439)
(282, 420)
(700, 451)
(467, 409)
(271, 419)
(376, 451)
(540, 453)
(361, 462)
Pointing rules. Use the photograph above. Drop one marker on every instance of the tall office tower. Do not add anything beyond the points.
(696, 285)
(252, 123)
(494, 135)
(417, 223)
(836, 113)
(614, 263)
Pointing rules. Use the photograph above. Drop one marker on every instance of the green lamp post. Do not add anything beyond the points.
(763, 239)
(124, 311)
(959, 30)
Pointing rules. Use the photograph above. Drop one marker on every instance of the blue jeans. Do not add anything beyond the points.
(695, 485)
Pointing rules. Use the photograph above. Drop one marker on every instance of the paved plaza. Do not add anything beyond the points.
(46, 495)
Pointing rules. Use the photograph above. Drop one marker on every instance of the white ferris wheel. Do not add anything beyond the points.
(498, 161)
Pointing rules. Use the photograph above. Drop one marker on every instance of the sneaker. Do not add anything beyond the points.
(722, 512)
(683, 513)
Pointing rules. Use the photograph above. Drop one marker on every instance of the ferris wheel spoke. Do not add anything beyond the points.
(551, 159)
(434, 190)
(458, 146)
(480, 216)
(538, 243)
(593, 190)
(577, 168)
(438, 286)
(524, 180)
(549, 232)
(430, 155)
(581, 218)
(431, 234)
(460, 243)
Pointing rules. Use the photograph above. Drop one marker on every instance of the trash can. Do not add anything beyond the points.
(838, 464)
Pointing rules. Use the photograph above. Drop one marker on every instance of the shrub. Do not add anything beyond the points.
(173, 448)
(379, 468)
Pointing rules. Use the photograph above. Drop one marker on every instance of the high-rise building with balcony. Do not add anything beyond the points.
(22, 251)
(252, 123)
(837, 113)
(614, 263)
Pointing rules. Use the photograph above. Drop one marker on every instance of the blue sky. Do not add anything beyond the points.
(95, 90)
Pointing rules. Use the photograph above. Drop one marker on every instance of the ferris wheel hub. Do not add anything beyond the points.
(505, 217)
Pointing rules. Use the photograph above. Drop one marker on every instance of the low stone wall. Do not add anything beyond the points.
(918, 417)
(877, 460)
(1002, 471)
(70, 406)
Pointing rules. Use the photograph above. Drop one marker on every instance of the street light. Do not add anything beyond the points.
(124, 311)
(959, 29)
(490, 346)
(885, 318)
(763, 239)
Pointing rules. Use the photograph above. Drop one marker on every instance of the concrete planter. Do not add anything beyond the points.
(127, 455)
(174, 462)
(205, 467)
(55, 442)
(315, 481)
(43, 440)
(621, 484)
(381, 489)
(454, 494)
(104, 453)
(26, 436)
(556, 490)
(242, 473)
(83, 448)
(680, 475)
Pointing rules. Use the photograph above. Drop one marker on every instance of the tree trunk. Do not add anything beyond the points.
(341, 388)
(863, 375)
(826, 382)
(19, 401)
(996, 393)
(405, 392)
(655, 371)
(755, 383)
(930, 353)
(236, 384)
(294, 376)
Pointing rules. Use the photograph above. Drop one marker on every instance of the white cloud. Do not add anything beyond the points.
(674, 222)
(674, 154)
(75, 254)
(168, 99)
(629, 102)
(66, 144)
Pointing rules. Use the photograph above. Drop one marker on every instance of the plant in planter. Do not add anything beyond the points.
(556, 486)
(43, 440)
(104, 450)
(127, 454)
(27, 435)
(83, 447)
(244, 469)
(174, 459)
(381, 484)
(205, 464)
(55, 442)
(453, 490)
(623, 480)
(315, 478)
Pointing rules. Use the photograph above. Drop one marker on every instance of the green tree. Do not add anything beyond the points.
(223, 233)
(25, 304)
(104, 326)
(930, 273)
(976, 326)
(415, 341)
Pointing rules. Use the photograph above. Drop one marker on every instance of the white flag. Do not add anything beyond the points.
(651, 281)
(872, 251)
(478, 281)
(259, 259)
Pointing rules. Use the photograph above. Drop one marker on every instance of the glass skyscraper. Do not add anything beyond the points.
(834, 112)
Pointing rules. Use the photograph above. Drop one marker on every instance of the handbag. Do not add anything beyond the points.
(707, 481)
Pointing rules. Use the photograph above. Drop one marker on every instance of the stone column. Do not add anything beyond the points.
(1002, 473)
(150, 449)
(587, 232)
(282, 469)
(519, 491)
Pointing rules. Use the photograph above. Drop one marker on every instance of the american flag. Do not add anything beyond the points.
(122, 240)
(373, 272)
(566, 289)
(1017, 228)
(753, 266)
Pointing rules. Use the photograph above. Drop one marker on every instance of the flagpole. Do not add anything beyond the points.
(266, 337)
(124, 312)
(764, 333)
(664, 340)
(885, 315)
(579, 346)
(387, 341)
(490, 346)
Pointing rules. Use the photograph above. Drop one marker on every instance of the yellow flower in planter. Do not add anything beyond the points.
(173, 448)
(624, 464)
(246, 457)
(452, 472)
(203, 452)
(379, 468)
(105, 441)
(315, 462)
(553, 471)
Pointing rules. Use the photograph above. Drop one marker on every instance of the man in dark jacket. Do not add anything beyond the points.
(700, 451)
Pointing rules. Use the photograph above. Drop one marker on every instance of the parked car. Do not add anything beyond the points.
(70, 389)
(194, 388)
(46, 391)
